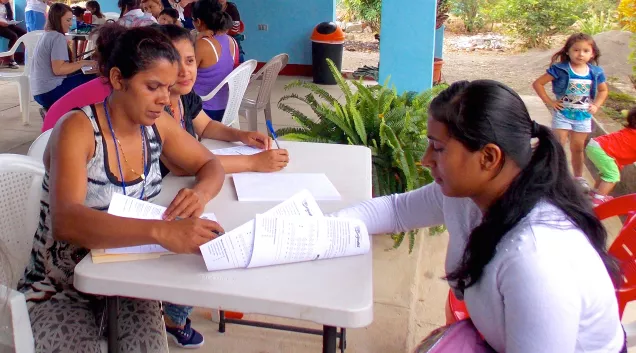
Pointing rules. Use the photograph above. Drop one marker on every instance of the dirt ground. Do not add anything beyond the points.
(516, 69)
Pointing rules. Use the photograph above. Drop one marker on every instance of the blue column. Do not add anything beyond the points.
(407, 43)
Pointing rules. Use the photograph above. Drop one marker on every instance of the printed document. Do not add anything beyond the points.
(281, 186)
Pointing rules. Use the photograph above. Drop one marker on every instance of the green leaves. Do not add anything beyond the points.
(393, 126)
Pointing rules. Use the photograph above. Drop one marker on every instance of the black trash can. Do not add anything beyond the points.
(327, 43)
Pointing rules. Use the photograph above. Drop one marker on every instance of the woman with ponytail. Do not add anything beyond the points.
(525, 252)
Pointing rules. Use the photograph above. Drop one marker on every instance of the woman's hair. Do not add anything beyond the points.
(487, 112)
(95, 6)
(78, 11)
(631, 118)
(54, 19)
(562, 55)
(127, 5)
(174, 14)
(132, 50)
(211, 14)
(175, 33)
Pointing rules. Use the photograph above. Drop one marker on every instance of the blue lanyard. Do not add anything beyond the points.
(143, 148)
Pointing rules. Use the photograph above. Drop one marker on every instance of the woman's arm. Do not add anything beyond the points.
(601, 95)
(63, 67)
(399, 212)
(539, 87)
(184, 151)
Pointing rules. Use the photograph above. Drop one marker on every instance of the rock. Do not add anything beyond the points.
(353, 27)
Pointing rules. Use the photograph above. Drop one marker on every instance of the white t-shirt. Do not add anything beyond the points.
(35, 5)
(545, 290)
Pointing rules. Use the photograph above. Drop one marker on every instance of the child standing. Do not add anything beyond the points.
(580, 90)
(610, 153)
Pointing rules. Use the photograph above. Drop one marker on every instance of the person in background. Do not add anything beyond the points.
(101, 150)
(236, 31)
(132, 16)
(169, 17)
(52, 72)
(34, 14)
(95, 9)
(609, 153)
(580, 89)
(526, 252)
(215, 54)
(153, 7)
(78, 12)
(9, 31)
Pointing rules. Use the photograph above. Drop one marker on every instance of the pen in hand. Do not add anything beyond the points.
(214, 231)
(271, 131)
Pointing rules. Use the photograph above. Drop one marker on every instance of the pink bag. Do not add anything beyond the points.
(460, 337)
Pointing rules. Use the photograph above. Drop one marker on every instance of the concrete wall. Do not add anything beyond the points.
(408, 43)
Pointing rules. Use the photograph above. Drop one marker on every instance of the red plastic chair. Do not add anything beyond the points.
(624, 247)
(455, 309)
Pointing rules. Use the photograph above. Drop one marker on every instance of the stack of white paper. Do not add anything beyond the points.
(282, 186)
(129, 207)
(237, 151)
(293, 231)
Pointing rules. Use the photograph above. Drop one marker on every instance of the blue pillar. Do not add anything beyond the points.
(439, 42)
(407, 43)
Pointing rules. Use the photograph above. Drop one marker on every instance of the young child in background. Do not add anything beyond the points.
(610, 153)
(98, 17)
(580, 90)
(152, 7)
(169, 17)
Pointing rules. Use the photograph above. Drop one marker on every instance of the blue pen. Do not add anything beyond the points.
(271, 131)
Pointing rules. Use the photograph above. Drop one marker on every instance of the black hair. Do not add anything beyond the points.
(631, 118)
(174, 14)
(132, 50)
(562, 55)
(212, 15)
(127, 5)
(95, 5)
(487, 112)
(78, 11)
(175, 33)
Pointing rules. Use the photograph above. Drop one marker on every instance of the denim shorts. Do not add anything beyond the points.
(560, 122)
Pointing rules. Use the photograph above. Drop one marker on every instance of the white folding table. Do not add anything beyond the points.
(337, 293)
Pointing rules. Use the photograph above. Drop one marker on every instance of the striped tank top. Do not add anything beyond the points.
(51, 266)
(210, 77)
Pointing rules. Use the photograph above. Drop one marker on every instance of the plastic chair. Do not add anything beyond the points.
(268, 75)
(237, 82)
(36, 151)
(30, 41)
(455, 309)
(20, 335)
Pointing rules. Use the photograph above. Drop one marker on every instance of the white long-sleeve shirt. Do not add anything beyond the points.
(545, 290)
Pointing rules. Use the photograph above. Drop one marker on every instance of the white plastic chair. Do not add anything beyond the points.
(267, 75)
(14, 314)
(237, 81)
(30, 41)
(36, 151)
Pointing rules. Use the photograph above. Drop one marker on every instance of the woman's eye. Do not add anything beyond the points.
(152, 88)
(436, 147)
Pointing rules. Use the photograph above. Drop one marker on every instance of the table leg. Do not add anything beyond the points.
(113, 328)
(329, 337)
(75, 44)
(222, 321)
(343, 340)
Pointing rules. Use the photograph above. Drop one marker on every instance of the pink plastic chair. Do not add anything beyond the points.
(89, 93)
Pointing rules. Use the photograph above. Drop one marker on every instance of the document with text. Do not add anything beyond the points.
(281, 186)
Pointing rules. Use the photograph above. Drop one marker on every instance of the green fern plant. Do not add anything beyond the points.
(393, 126)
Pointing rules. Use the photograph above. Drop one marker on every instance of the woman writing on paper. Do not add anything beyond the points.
(95, 152)
(525, 250)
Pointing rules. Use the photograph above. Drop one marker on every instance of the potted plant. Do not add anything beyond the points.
(393, 126)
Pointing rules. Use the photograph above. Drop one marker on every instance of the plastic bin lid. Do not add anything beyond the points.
(328, 32)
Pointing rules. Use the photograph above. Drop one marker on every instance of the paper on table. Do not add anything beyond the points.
(237, 151)
(13, 22)
(281, 186)
(234, 249)
(129, 207)
(289, 239)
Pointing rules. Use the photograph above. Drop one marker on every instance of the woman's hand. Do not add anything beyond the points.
(188, 203)
(255, 139)
(269, 161)
(556, 105)
(593, 108)
(186, 235)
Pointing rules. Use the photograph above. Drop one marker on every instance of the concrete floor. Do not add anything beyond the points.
(409, 294)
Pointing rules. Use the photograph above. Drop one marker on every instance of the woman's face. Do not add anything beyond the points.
(188, 68)
(222, 2)
(456, 169)
(147, 93)
(152, 8)
(165, 20)
(90, 9)
(67, 21)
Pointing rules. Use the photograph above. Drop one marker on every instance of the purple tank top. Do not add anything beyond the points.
(210, 77)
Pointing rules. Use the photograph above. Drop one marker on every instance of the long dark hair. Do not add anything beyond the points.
(54, 18)
(482, 112)
(127, 5)
(95, 6)
(132, 50)
(211, 14)
(562, 55)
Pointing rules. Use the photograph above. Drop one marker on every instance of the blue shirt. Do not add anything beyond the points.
(577, 98)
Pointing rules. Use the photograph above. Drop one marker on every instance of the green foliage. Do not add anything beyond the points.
(536, 20)
(368, 11)
(470, 11)
(393, 126)
(593, 23)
